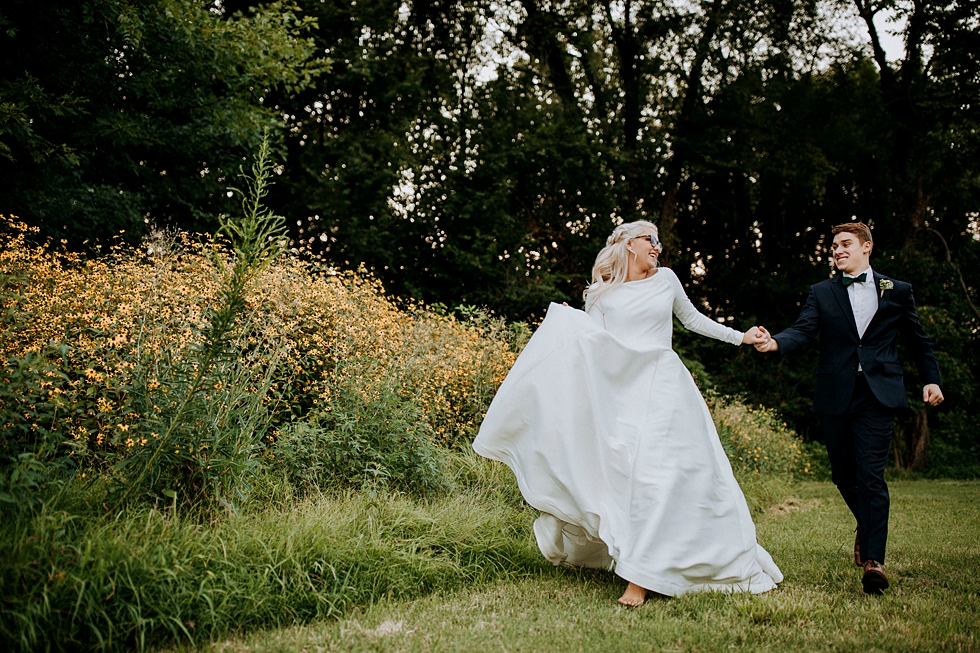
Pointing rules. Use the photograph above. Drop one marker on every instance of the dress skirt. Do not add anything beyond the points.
(615, 446)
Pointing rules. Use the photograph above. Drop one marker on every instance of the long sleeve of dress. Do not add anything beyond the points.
(696, 321)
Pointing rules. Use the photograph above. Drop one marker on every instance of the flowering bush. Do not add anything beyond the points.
(757, 441)
(132, 326)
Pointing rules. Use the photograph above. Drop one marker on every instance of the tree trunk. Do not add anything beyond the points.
(920, 206)
(540, 30)
(898, 446)
(665, 225)
(681, 154)
(903, 92)
(919, 449)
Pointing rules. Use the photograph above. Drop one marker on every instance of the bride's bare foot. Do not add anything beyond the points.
(634, 596)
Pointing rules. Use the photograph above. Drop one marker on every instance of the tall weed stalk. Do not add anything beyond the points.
(206, 411)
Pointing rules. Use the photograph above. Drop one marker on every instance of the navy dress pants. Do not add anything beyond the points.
(857, 443)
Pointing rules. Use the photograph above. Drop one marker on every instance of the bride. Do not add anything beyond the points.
(611, 440)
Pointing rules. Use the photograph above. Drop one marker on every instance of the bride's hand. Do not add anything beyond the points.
(755, 336)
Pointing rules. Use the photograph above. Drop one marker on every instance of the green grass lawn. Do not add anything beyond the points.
(933, 603)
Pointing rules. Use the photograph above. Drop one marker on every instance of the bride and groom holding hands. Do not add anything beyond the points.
(611, 440)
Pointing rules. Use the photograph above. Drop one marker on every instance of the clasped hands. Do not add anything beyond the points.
(760, 338)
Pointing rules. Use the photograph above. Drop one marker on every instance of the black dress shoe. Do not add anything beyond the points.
(874, 579)
(857, 546)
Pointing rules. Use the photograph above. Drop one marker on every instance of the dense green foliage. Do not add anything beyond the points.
(33, 455)
(150, 466)
(479, 153)
(176, 373)
(165, 402)
(469, 153)
(118, 112)
(382, 444)
(208, 404)
(173, 372)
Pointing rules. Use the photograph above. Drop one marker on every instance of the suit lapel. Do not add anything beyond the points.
(840, 293)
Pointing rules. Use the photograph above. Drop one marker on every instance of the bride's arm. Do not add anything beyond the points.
(694, 320)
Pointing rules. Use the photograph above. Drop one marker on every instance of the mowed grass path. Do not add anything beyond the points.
(933, 604)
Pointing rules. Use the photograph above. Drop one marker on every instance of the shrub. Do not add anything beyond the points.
(205, 410)
(374, 443)
(34, 454)
(161, 409)
(307, 340)
(310, 340)
(757, 442)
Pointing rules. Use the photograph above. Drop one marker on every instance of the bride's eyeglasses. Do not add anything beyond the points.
(650, 237)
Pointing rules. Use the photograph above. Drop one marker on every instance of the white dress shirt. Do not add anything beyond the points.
(864, 301)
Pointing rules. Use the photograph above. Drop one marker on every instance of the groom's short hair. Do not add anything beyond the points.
(859, 229)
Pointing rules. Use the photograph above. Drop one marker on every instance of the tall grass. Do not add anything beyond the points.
(155, 576)
(931, 605)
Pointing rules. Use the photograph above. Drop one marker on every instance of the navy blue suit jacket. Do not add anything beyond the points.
(828, 312)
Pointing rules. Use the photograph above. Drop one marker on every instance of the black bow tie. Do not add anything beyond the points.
(861, 278)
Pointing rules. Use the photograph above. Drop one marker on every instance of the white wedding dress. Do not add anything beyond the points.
(611, 440)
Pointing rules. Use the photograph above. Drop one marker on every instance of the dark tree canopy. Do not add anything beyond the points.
(119, 112)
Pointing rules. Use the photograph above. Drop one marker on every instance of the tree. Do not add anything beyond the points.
(119, 112)
(448, 187)
(931, 101)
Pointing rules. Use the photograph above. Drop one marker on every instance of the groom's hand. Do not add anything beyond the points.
(932, 395)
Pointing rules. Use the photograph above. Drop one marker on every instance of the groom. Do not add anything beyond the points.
(858, 315)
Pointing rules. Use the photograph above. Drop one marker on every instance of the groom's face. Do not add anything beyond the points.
(850, 254)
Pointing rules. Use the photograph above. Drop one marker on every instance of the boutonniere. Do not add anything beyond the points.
(883, 285)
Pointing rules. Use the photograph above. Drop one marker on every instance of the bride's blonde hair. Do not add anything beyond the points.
(612, 263)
